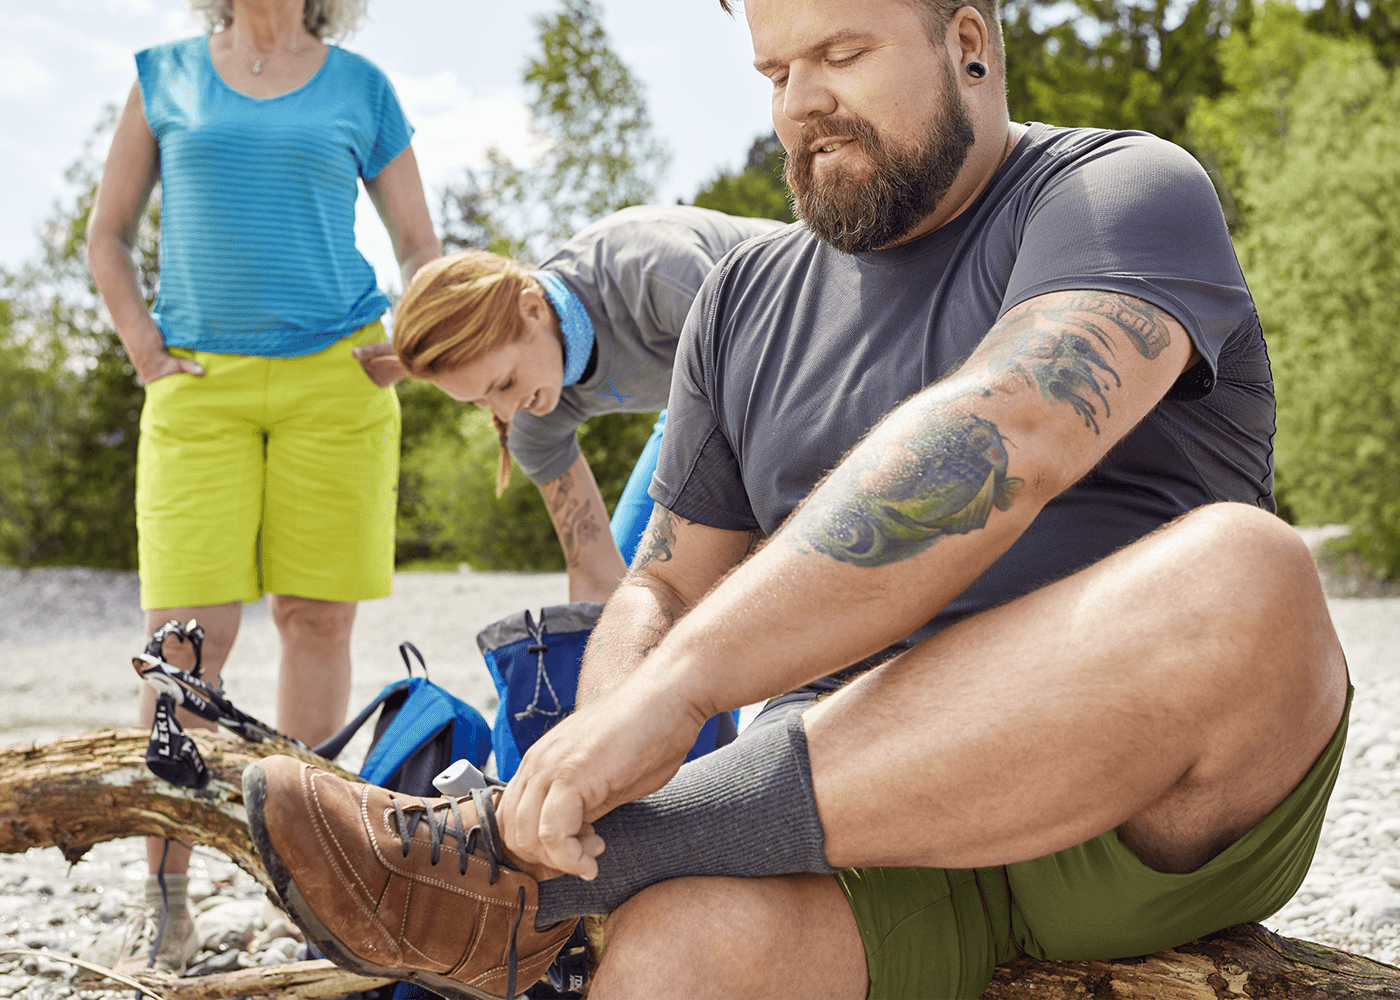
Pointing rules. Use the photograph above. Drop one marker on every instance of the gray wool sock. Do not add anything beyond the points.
(745, 810)
(177, 889)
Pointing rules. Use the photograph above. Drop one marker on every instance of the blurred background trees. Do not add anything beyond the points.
(69, 402)
(1295, 113)
(1306, 140)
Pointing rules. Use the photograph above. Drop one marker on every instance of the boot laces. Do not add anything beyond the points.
(444, 816)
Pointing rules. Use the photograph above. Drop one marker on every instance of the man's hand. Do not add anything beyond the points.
(638, 715)
(617, 749)
(380, 363)
(156, 366)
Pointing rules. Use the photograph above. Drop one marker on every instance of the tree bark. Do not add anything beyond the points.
(1245, 962)
(82, 790)
(318, 980)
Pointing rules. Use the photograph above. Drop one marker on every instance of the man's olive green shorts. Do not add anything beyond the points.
(938, 934)
(275, 475)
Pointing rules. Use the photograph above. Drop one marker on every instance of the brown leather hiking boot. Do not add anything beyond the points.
(357, 867)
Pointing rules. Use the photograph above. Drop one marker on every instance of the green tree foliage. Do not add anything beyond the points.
(758, 190)
(69, 399)
(31, 411)
(1309, 139)
(1375, 21)
(1116, 63)
(1249, 120)
(448, 510)
(600, 153)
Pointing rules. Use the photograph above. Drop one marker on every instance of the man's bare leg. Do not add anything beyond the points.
(734, 937)
(1177, 691)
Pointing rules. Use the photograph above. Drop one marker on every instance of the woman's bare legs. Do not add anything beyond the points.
(313, 681)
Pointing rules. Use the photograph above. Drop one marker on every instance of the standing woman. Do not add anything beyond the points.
(268, 458)
(593, 330)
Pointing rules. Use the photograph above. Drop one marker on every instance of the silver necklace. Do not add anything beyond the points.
(258, 61)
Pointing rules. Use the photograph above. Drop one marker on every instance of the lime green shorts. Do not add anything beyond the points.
(268, 474)
(938, 934)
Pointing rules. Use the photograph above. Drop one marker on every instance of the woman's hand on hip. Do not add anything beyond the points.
(380, 363)
(158, 365)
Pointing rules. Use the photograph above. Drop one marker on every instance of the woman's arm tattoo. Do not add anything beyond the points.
(574, 523)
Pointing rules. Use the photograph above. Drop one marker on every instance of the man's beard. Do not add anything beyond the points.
(861, 210)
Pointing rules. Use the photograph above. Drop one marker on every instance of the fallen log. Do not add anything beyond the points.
(1245, 962)
(83, 790)
(318, 980)
(314, 980)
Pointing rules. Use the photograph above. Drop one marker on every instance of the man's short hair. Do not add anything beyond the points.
(936, 14)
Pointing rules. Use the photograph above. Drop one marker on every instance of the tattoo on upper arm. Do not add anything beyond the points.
(890, 502)
(656, 543)
(1065, 349)
(574, 521)
(892, 499)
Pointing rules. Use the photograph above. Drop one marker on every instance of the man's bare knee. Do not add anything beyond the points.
(733, 937)
(1248, 592)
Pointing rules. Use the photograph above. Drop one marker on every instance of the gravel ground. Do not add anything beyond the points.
(66, 636)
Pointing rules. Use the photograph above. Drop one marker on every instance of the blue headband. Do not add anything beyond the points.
(574, 324)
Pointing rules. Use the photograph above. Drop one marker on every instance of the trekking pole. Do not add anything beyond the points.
(196, 695)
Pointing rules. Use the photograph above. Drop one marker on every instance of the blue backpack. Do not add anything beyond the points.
(421, 729)
(535, 668)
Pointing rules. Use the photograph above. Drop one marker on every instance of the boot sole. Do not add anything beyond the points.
(254, 797)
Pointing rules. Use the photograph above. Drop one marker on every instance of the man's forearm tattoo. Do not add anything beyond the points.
(1064, 350)
(575, 521)
(890, 502)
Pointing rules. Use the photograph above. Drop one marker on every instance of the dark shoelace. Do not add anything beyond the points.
(485, 834)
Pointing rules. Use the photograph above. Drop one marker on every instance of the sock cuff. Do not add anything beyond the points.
(176, 888)
(746, 810)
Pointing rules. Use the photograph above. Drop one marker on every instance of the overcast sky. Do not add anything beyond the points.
(456, 65)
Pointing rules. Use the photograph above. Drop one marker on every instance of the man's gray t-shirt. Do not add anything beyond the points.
(637, 273)
(795, 350)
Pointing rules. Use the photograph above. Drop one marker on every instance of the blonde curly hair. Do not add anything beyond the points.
(333, 19)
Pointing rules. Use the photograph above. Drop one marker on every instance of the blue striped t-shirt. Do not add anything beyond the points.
(257, 229)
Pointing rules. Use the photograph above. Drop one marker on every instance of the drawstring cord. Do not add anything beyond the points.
(539, 647)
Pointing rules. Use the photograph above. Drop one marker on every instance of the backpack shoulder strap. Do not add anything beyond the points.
(335, 743)
(422, 715)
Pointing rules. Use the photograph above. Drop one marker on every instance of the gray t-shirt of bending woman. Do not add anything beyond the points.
(637, 272)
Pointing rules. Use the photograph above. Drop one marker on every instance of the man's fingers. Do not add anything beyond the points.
(561, 826)
(191, 366)
(520, 811)
(591, 843)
